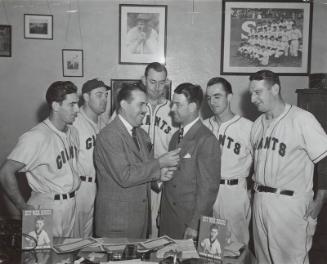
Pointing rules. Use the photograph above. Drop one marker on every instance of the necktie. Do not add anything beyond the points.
(180, 134)
(135, 138)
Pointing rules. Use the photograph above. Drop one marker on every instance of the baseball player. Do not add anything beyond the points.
(158, 124)
(88, 124)
(233, 134)
(287, 142)
(48, 155)
(295, 36)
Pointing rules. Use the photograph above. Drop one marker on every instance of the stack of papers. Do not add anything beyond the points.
(184, 247)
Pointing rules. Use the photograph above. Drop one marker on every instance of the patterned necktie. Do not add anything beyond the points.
(135, 138)
(180, 134)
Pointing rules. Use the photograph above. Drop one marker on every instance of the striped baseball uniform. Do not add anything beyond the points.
(233, 201)
(50, 157)
(285, 151)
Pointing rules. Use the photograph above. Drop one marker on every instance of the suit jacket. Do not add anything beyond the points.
(123, 175)
(194, 187)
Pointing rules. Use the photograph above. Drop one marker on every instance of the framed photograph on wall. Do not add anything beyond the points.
(38, 26)
(72, 63)
(5, 41)
(142, 30)
(274, 35)
(116, 85)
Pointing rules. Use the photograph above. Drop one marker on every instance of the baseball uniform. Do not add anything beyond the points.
(50, 158)
(233, 201)
(158, 124)
(85, 195)
(285, 151)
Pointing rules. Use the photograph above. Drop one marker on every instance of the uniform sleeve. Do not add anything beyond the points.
(314, 137)
(28, 149)
(208, 162)
(112, 155)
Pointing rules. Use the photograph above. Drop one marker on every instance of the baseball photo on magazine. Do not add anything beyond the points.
(212, 237)
(36, 229)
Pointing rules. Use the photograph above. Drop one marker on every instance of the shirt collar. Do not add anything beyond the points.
(126, 124)
(188, 126)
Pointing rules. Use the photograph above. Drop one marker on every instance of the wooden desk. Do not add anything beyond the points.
(51, 257)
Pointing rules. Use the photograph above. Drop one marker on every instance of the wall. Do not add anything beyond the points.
(193, 54)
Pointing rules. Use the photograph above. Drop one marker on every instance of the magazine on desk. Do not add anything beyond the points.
(212, 237)
(37, 229)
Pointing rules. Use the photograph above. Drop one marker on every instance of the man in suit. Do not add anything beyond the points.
(194, 187)
(125, 168)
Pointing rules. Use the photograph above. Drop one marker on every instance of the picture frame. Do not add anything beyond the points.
(142, 33)
(38, 26)
(5, 41)
(116, 85)
(272, 35)
(72, 63)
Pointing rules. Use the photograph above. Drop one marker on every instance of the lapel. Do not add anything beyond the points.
(128, 138)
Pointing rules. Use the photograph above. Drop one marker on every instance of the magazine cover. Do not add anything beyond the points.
(37, 229)
(212, 237)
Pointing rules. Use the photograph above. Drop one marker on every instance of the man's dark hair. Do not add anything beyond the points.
(268, 76)
(214, 226)
(57, 91)
(226, 84)
(192, 92)
(125, 92)
(158, 67)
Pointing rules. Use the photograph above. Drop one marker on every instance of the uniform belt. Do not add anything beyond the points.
(229, 182)
(64, 196)
(262, 188)
(87, 179)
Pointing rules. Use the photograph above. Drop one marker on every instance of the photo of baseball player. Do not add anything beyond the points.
(88, 124)
(40, 235)
(233, 133)
(48, 155)
(211, 244)
(288, 142)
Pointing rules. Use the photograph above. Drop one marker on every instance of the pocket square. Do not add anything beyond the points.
(187, 156)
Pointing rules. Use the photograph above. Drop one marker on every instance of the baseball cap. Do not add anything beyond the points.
(89, 85)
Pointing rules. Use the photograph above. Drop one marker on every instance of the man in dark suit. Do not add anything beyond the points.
(125, 167)
(194, 187)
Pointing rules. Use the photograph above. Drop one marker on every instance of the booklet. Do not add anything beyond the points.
(37, 229)
(212, 237)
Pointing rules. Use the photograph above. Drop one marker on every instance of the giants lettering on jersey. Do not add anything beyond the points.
(65, 156)
(231, 144)
(273, 144)
(159, 122)
(90, 142)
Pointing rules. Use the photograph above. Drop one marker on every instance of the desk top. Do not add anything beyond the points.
(51, 257)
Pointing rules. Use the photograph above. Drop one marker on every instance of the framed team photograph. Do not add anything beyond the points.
(116, 85)
(143, 33)
(274, 35)
(5, 41)
(72, 63)
(38, 26)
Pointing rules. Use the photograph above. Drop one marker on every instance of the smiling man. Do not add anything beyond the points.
(233, 134)
(193, 190)
(287, 142)
(125, 167)
(47, 154)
